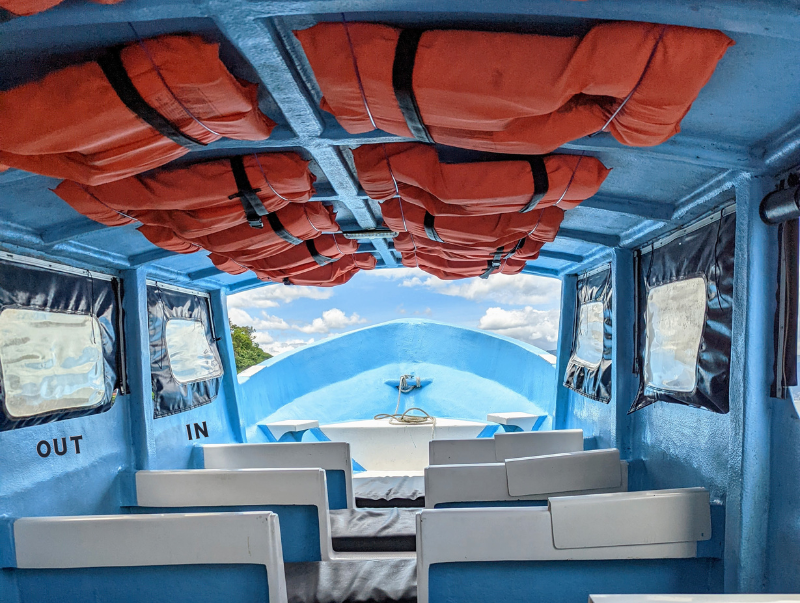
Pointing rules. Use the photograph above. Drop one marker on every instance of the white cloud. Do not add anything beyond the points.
(515, 289)
(271, 296)
(330, 320)
(537, 327)
(265, 322)
(279, 347)
(394, 273)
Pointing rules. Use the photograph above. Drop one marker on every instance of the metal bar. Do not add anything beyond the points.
(169, 287)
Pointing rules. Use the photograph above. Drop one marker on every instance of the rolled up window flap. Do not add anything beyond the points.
(588, 372)
(785, 340)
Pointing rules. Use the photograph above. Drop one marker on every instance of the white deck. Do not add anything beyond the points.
(381, 446)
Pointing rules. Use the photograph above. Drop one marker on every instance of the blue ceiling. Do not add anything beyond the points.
(745, 122)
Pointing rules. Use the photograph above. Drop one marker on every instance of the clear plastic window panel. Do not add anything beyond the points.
(675, 318)
(589, 346)
(190, 355)
(50, 362)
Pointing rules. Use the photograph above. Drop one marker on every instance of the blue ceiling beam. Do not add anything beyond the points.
(559, 255)
(757, 17)
(260, 42)
(540, 271)
(588, 236)
(680, 148)
(72, 230)
(198, 275)
(650, 210)
(245, 284)
(147, 257)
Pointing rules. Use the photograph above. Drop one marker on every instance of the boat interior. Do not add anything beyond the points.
(157, 158)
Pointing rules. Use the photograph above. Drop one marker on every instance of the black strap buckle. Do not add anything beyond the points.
(494, 263)
(252, 205)
(430, 230)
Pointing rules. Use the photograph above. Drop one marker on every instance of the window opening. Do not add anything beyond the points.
(589, 345)
(190, 356)
(50, 362)
(674, 328)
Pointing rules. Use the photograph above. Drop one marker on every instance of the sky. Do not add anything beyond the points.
(522, 306)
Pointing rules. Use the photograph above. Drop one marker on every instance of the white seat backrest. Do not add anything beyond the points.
(565, 472)
(292, 455)
(631, 518)
(238, 487)
(487, 482)
(536, 443)
(528, 534)
(331, 456)
(146, 540)
(465, 483)
(730, 598)
(461, 452)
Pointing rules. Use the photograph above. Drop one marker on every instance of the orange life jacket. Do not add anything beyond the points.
(282, 230)
(337, 273)
(457, 269)
(494, 230)
(226, 264)
(309, 255)
(414, 171)
(24, 8)
(526, 249)
(167, 239)
(508, 92)
(169, 94)
(198, 199)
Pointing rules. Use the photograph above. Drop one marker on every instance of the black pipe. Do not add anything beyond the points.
(780, 206)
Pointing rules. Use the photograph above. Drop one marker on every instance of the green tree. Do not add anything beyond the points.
(246, 351)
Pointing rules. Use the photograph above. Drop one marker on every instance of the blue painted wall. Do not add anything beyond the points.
(342, 378)
(784, 509)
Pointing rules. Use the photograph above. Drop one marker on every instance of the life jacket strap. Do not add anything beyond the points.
(321, 260)
(405, 55)
(430, 230)
(277, 227)
(252, 205)
(114, 70)
(541, 183)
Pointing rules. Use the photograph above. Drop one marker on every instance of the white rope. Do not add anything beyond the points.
(396, 418)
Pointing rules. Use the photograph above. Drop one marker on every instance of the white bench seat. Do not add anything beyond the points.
(471, 549)
(157, 558)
